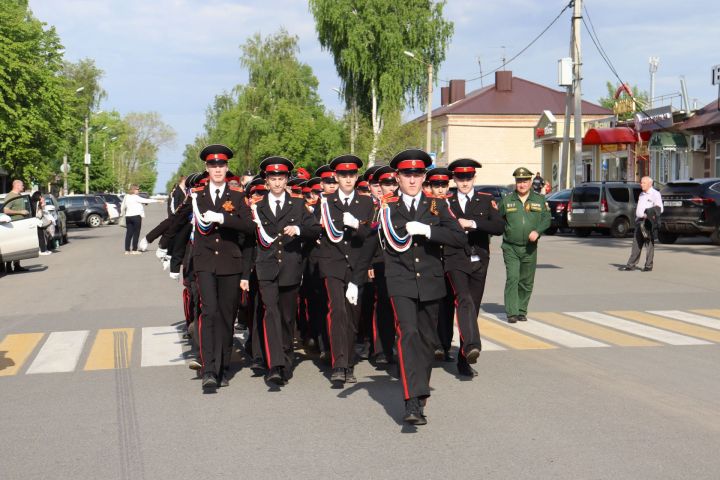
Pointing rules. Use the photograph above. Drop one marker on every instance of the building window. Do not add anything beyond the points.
(717, 159)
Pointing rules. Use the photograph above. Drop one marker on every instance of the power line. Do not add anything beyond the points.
(526, 47)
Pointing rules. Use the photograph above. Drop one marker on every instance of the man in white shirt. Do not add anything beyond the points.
(649, 199)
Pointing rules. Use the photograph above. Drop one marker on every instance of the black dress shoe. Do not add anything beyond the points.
(275, 376)
(350, 375)
(381, 359)
(627, 268)
(209, 382)
(447, 357)
(337, 377)
(512, 319)
(413, 414)
(194, 364)
(472, 355)
(647, 269)
(522, 318)
(224, 381)
(439, 354)
(466, 370)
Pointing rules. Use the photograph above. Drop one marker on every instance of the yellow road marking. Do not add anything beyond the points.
(112, 349)
(15, 349)
(708, 312)
(509, 337)
(593, 330)
(671, 325)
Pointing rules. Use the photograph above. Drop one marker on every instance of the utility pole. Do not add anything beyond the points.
(577, 91)
(87, 156)
(429, 109)
(654, 62)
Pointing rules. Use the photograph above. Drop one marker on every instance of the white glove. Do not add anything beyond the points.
(38, 222)
(161, 253)
(174, 275)
(216, 217)
(142, 246)
(166, 263)
(350, 221)
(418, 228)
(352, 293)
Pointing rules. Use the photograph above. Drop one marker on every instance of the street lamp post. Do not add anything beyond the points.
(429, 99)
(87, 156)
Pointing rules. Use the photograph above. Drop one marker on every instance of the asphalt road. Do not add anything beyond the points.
(542, 407)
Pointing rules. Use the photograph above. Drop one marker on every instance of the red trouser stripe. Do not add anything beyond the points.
(374, 319)
(265, 337)
(329, 322)
(400, 352)
(202, 360)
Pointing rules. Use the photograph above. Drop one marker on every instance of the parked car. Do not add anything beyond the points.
(89, 210)
(607, 207)
(18, 238)
(690, 207)
(58, 212)
(111, 198)
(558, 203)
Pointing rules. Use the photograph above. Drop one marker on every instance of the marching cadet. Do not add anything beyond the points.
(280, 218)
(414, 226)
(220, 213)
(327, 177)
(438, 181)
(466, 267)
(346, 218)
(527, 216)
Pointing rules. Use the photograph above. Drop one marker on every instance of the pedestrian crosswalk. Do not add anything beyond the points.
(121, 348)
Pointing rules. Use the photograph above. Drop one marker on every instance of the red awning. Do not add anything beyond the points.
(604, 136)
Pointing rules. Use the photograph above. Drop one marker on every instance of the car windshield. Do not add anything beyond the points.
(586, 195)
(561, 195)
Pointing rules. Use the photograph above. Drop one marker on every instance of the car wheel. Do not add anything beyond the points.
(667, 237)
(93, 220)
(715, 236)
(620, 227)
(582, 232)
(551, 231)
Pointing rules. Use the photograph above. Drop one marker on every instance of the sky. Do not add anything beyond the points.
(174, 56)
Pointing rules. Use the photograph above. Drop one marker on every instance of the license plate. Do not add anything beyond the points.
(672, 203)
(578, 210)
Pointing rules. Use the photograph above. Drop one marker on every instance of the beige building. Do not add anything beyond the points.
(496, 125)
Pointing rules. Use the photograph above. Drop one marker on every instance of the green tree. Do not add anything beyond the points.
(137, 162)
(367, 40)
(641, 98)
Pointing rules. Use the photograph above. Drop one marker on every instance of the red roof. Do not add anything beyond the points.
(706, 116)
(525, 98)
(604, 136)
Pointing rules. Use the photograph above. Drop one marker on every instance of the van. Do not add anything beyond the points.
(606, 207)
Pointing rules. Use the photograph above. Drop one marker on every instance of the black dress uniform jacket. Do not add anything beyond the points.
(348, 256)
(283, 259)
(418, 273)
(488, 221)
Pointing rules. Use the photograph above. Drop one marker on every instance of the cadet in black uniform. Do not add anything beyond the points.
(346, 218)
(413, 228)
(280, 218)
(220, 213)
(466, 267)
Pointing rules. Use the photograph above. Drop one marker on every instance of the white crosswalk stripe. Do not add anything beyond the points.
(60, 352)
(637, 328)
(162, 346)
(548, 332)
(689, 317)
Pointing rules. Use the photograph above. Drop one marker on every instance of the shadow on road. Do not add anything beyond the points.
(5, 362)
(385, 391)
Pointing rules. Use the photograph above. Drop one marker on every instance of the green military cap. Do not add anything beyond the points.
(522, 173)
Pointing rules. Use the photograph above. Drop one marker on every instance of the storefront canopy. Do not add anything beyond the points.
(668, 141)
(604, 136)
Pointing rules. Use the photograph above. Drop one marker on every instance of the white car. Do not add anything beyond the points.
(113, 213)
(18, 238)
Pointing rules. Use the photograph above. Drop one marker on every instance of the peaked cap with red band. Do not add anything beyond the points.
(369, 175)
(438, 174)
(346, 164)
(257, 185)
(464, 167)
(326, 174)
(276, 165)
(385, 174)
(411, 161)
(296, 184)
(216, 152)
(314, 184)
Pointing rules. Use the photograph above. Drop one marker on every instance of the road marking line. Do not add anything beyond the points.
(689, 317)
(708, 311)
(510, 337)
(592, 330)
(548, 332)
(162, 346)
(637, 328)
(15, 349)
(486, 345)
(672, 325)
(112, 349)
(60, 353)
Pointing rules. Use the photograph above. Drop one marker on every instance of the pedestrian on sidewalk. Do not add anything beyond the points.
(37, 203)
(649, 208)
(133, 210)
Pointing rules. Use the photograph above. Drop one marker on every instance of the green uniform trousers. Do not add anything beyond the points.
(520, 262)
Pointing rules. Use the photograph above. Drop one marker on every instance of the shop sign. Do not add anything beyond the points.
(624, 101)
(545, 128)
(654, 119)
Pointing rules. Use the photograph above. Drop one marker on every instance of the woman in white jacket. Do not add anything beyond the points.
(132, 208)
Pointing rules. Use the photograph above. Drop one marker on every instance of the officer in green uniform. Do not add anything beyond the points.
(527, 216)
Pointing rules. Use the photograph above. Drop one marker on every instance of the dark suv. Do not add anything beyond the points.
(690, 207)
(608, 207)
(89, 210)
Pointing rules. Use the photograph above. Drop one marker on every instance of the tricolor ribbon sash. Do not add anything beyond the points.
(264, 239)
(397, 242)
(333, 234)
(203, 226)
